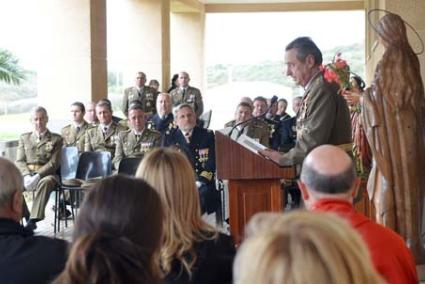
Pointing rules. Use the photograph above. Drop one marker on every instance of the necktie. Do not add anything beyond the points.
(138, 137)
(105, 131)
(187, 137)
(78, 129)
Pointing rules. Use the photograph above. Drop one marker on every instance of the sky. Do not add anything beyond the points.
(254, 37)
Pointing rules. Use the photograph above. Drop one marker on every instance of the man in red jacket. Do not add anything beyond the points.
(328, 183)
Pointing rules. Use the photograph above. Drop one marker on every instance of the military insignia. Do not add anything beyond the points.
(203, 155)
(191, 99)
(49, 146)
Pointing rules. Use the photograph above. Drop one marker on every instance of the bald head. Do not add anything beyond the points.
(10, 190)
(328, 169)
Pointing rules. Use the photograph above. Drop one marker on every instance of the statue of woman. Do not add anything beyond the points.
(393, 117)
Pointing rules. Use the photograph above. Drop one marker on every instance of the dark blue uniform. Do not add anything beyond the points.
(162, 125)
(285, 135)
(201, 153)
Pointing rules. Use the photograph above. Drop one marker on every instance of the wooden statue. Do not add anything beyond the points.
(393, 117)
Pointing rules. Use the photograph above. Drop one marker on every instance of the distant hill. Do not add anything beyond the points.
(271, 71)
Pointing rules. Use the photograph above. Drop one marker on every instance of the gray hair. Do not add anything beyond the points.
(181, 106)
(38, 109)
(329, 184)
(305, 46)
(10, 182)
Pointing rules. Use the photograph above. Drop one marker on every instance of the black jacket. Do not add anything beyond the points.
(25, 258)
(213, 265)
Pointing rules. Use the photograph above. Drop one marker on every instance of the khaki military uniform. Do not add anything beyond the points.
(73, 136)
(40, 156)
(128, 145)
(324, 118)
(256, 129)
(95, 140)
(146, 97)
(191, 96)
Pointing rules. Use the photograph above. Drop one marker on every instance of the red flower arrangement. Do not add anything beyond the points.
(337, 71)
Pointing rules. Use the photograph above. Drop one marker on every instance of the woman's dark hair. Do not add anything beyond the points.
(359, 81)
(120, 221)
(173, 83)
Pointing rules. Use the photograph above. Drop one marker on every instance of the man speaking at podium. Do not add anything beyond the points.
(324, 117)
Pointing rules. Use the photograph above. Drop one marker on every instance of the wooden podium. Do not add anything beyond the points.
(254, 182)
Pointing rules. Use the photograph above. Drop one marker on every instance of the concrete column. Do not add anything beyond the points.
(141, 35)
(73, 50)
(187, 45)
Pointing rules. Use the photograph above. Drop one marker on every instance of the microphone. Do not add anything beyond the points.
(272, 102)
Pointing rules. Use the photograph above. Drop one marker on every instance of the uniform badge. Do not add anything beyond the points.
(49, 146)
(203, 154)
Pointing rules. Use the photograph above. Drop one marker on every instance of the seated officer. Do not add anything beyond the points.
(104, 136)
(260, 108)
(137, 140)
(254, 128)
(38, 158)
(162, 121)
(73, 134)
(198, 144)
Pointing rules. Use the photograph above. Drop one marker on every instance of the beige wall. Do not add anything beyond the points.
(187, 45)
(73, 47)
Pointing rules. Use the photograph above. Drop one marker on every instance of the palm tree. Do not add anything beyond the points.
(10, 71)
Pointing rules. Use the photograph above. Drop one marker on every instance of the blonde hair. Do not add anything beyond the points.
(302, 247)
(172, 176)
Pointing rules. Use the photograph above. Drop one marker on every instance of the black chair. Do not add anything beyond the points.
(128, 166)
(91, 167)
(67, 171)
(206, 118)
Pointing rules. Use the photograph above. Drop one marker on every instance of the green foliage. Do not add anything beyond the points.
(10, 71)
(273, 71)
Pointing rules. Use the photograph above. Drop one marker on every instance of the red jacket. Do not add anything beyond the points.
(390, 255)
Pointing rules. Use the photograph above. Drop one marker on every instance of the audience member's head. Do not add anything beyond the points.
(282, 104)
(104, 111)
(117, 234)
(260, 106)
(357, 83)
(328, 172)
(184, 79)
(39, 119)
(247, 100)
(296, 104)
(185, 117)
(154, 84)
(11, 186)
(272, 108)
(91, 116)
(163, 104)
(243, 112)
(78, 111)
(140, 79)
(302, 247)
(172, 176)
(174, 82)
(136, 117)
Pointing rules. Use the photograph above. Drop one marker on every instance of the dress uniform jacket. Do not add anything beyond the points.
(162, 125)
(73, 136)
(191, 96)
(324, 118)
(40, 156)
(96, 141)
(26, 258)
(256, 129)
(128, 145)
(201, 153)
(146, 97)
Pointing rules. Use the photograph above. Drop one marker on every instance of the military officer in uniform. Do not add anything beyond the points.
(254, 128)
(260, 111)
(324, 117)
(73, 134)
(163, 120)
(90, 115)
(199, 146)
(142, 93)
(38, 158)
(187, 94)
(104, 136)
(138, 140)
